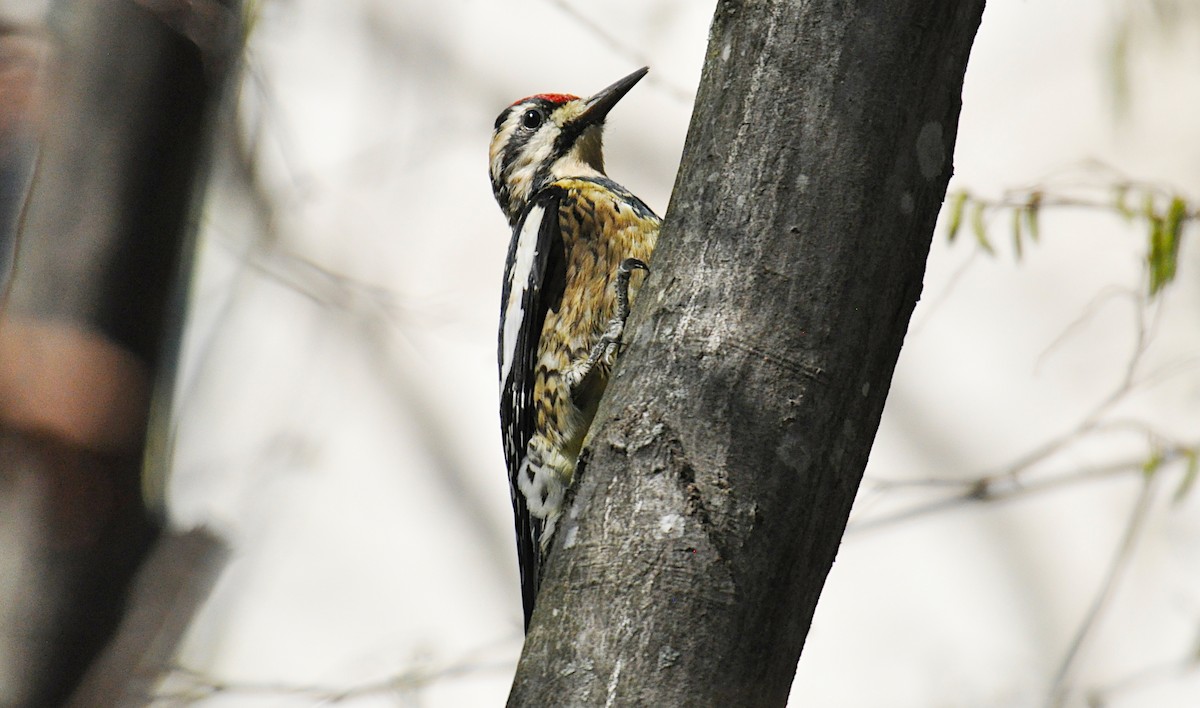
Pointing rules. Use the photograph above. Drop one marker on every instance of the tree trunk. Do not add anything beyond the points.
(725, 458)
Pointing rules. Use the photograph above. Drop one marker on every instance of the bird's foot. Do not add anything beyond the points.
(610, 342)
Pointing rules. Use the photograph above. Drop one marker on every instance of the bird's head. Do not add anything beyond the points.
(546, 137)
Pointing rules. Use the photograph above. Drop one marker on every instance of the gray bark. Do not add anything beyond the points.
(713, 496)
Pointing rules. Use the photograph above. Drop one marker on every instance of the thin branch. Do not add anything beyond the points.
(620, 47)
(1094, 420)
(1093, 307)
(1016, 199)
(199, 685)
(1150, 675)
(1060, 688)
(1001, 488)
(1008, 482)
(372, 310)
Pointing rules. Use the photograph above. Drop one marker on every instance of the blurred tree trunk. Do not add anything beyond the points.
(725, 458)
(91, 320)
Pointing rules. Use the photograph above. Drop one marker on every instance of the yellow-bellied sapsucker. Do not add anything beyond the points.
(577, 238)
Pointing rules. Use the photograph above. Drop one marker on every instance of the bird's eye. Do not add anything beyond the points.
(532, 118)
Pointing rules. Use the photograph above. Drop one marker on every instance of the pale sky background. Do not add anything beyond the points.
(337, 402)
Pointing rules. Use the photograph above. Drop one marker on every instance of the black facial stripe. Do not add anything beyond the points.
(504, 114)
(516, 143)
(520, 136)
(543, 174)
(570, 133)
(562, 145)
(540, 103)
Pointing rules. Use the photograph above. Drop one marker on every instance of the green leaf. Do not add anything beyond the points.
(1152, 463)
(1032, 211)
(1165, 234)
(980, 229)
(955, 217)
(1154, 259)
(1016, 231)
(1189, 477)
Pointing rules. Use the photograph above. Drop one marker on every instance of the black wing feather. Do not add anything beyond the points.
(543, 293)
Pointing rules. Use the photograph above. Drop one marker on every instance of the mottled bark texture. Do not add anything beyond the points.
(734, 434)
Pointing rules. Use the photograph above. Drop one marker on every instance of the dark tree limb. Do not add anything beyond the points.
(734, 434)
(89, 320)
(174, 580)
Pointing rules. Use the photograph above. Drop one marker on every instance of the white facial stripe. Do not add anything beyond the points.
(498, 141)
(533, 153)
(521, 174)
(514, 312)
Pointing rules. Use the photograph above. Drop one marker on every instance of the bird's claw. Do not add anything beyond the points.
(610, 342)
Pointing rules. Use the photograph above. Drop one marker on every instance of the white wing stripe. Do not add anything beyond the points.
(519, 278)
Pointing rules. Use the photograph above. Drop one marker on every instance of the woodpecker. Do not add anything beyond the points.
(578, 239)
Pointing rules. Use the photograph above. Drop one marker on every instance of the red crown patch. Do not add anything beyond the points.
(556, 98)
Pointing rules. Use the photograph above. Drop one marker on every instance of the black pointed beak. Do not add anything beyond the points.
(599, 105)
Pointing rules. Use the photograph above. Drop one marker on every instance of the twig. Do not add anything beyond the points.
(1102, 298)
(1060, 688)
(999, 488)
(200, 685)
(1147, 675)
(675, 92)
